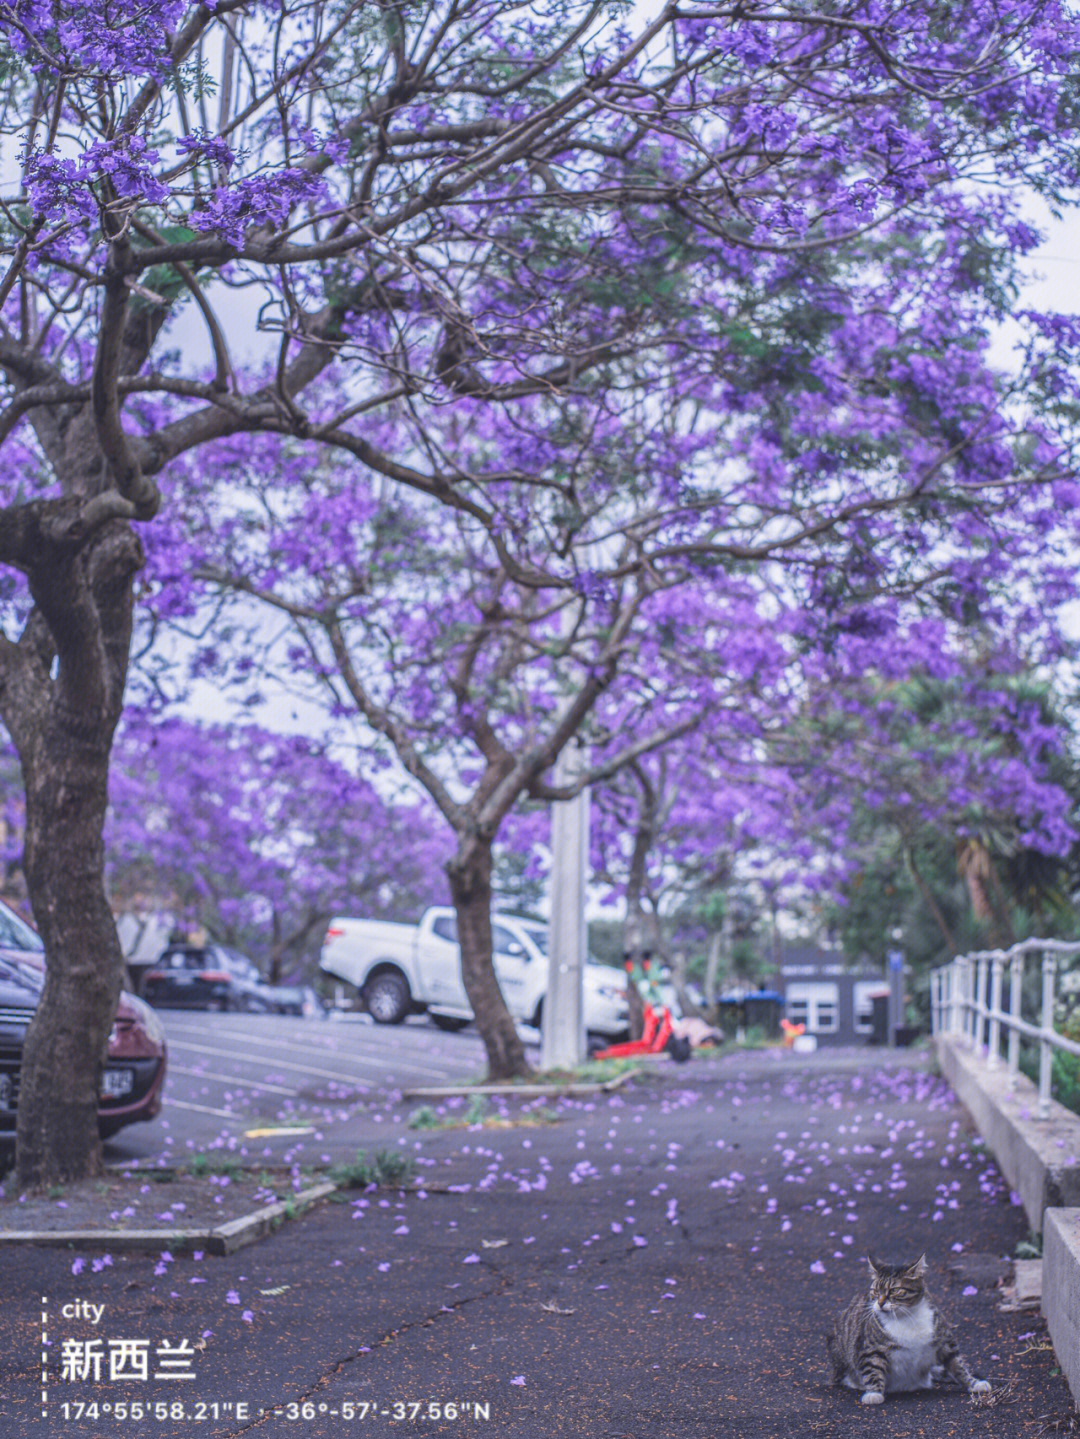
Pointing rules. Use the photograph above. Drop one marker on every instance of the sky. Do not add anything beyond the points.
(1053, 283)
(1055, 265)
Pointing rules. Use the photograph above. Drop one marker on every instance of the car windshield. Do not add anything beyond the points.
(27, 975)
(15, 933)
(240, 965)
(183, 959)
(539, 937)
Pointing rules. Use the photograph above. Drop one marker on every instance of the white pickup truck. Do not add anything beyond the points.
(402, 968)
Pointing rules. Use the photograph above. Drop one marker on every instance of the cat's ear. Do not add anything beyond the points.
(918, 1269)
(873, 1263)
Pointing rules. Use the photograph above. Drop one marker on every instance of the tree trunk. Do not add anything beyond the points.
(470, 887)
(634, 953)
(277, 944)
(66, 786)
(720, 952)
(976, 866)
(291, 945)
(61, 696)
(639, 937)
(931, 902)
(687, 1006)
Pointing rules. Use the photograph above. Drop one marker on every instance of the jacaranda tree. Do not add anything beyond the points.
(260, 837)
(459, 208)
(965, 768)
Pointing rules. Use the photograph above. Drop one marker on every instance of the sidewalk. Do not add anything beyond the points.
(662, 1262)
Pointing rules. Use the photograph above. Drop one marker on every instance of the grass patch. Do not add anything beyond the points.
(592, 1071)
(1029, 1248)
(199, 1165)
(757, 1037)
(477, 1111)
(478, 1114)
(387, 1168)
(164, 1175)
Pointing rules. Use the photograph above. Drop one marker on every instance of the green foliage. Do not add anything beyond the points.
(606, 941)
(712, 907)
(519, 889)
(202, 1164)
(424, 1118)
(477, 1110)
(923, 877)
(593, 1071)
(1064, 1068)
(387, 1168)
(195, 78)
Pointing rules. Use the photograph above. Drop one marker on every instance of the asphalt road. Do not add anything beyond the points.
(232, 1077)
(659, 1262)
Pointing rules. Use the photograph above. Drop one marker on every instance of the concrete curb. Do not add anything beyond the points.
(521, 1091)
(222, 1239)
(1061, 1290)
(1041, 1160)
(1039, 1157)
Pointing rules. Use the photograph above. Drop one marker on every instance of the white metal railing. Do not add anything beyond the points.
(966, 1002)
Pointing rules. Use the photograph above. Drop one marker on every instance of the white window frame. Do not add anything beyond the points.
(813, 997)
(864, 1016)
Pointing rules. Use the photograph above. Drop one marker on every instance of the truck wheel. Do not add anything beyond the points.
(387, 997)
(449, 1022)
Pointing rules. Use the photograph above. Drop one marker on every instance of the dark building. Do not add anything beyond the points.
(831, 999)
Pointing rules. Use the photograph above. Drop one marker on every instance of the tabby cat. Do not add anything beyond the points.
(895, 1339)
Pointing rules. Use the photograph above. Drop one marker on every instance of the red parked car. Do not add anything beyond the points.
(134, 1072)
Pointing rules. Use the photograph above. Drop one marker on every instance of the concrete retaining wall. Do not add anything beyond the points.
(1039, 1157)
(1061, 1290)
(1041, 1160)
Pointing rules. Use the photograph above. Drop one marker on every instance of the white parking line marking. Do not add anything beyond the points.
(285, 1064)
(266, 1046)
(205, 1109)
(330, 1044)
(234, 1079)
(278, 1133)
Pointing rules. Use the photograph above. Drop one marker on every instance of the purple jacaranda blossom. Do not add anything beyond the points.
(516, 447)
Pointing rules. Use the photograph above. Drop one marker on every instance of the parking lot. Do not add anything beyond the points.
(662, 1260)
(272, 1078)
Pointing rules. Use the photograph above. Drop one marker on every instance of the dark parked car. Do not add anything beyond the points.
(134, 1072)
(209, 976)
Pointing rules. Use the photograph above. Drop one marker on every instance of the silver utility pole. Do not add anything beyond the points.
(562, 1038)
(897, 984)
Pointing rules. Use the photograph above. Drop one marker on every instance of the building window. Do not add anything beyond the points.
(797, 1010)
(828, 1018)
(865, 989)
(815, 1005)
